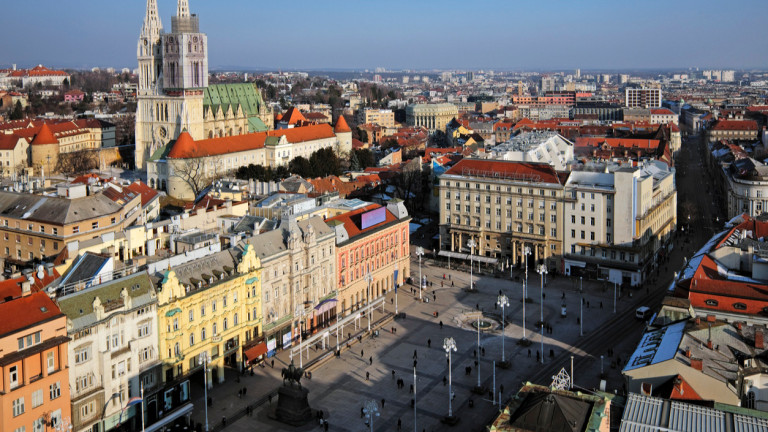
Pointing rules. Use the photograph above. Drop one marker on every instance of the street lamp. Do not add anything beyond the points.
(542, 271)
(526, 252)
(204, 361)
(371, 410)
(449, 345)
(395, 281)
(471, 243)
(369, 279)
(420, 253)
(581, 306)
(502, 301)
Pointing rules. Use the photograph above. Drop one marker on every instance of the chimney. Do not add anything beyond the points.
(26, 288)
(759, 343)
(697, 364)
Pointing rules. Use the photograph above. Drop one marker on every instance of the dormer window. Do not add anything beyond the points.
(739, 306)
(711, 302)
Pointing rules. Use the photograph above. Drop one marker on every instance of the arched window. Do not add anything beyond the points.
(202, 334)
(214, 329)
(191, 339)
(225, 324)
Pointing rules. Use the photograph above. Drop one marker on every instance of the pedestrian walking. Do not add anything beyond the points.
(445, 381)
(429, 343)
(362, 354)
(370, 360)
(434, 297)
(382, 402)
(415, 354)
(367, 375)
(483, 351)
(393, 374)
(270, 399)
(411, 390)
(273, 363)
(399, 424)
(601, 305)
(362, 412)
(529, 353)
(325, 425)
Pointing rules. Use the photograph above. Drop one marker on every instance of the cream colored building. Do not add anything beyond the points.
(382, 117)
(298, 284)
(432, 116)
(618, 224)
(504, 207)
(113, 349)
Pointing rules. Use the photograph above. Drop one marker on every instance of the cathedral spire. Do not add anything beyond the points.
(152, 24)
(182, 10)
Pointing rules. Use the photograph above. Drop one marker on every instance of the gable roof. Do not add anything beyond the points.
(54, 209)
(293, 116)
(27, 311)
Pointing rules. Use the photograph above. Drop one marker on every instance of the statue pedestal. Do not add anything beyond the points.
(293, 406)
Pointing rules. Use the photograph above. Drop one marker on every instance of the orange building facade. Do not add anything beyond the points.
(377, 242)
(34, 389)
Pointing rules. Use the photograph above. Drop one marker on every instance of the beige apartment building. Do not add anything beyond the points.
(382, 117)
(504, 207)
(432, 116)
(34, 226)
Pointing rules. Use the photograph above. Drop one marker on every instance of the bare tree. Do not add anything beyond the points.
(77, 162)
(197, 173)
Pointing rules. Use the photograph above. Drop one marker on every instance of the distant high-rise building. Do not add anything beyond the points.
(623, 78)
(642, 97)
(548, 84)
(606, 78)
(578, 73)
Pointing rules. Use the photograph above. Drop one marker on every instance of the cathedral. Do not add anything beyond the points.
(174, 95)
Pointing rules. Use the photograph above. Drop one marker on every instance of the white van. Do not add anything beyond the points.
(643, 312)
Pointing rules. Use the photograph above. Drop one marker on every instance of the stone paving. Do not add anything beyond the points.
(339, 386)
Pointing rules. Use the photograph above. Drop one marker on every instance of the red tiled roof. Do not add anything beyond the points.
(44, 136)
(617, 142)
(8, 141)
(27, 311)
(682, 391)
(293, 116)
(536, 172)
(735, 125)
(185, 147)
(353, 220)
(661, 111)
(146, 192)
(341, 125)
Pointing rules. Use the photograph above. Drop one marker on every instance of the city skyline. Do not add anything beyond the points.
(688, 35)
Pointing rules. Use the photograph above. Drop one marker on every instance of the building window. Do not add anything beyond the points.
(18, 407)
(202, 334)
(51, 360)
(582, 235)
(37, 398)
(75, 229)
(739, 306)
(13, 376)
(711, 302)
(191, 316)
(55, 390)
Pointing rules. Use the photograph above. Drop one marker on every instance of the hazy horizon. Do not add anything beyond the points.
(427, 35)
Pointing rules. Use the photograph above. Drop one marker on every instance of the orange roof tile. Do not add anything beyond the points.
(353, 220)
(44, 136)
(735, 125)
(341, 125)
(293, 116)
(27, 311)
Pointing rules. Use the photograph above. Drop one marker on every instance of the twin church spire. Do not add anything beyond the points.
(152, 23)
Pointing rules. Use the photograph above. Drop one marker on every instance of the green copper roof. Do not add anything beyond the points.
(245, 95)
(161, 152)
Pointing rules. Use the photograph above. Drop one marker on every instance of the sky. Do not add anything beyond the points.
(403, 34)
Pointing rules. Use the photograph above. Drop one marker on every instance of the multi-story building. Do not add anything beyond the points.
(212, 305)
(371, 241)
(728, 129)
(504, 207)
(431, 116)
(298, 289)
(113, 352)
(29, 77)
(617, 224)
(381, 117)
(35, 226)
(642, 97)
(34, 389)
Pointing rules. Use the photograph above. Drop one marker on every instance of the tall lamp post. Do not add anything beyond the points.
(581, 306)
(449, 345)
(395, 281)
(526, 252)
(471, 243)
(204, 361)
(542, 271)
(502, 301)
(369, 279)
(371, 410)
(420, 253)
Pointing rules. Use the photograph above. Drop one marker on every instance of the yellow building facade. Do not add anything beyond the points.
(210, 305)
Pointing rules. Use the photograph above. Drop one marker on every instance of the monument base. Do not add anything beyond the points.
(293, 406)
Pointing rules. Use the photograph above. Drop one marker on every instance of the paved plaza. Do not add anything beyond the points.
(340, 386)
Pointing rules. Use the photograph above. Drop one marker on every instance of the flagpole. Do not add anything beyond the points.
(142, 406)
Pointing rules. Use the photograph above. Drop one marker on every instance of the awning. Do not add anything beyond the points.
(172, 312)
(325, 306)
(464, 256)
(256, 351)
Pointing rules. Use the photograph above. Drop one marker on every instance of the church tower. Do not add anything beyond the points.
(173, 75)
